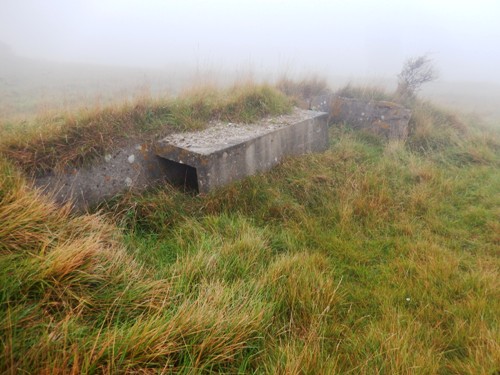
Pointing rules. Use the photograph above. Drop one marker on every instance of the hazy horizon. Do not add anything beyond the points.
(355, 38)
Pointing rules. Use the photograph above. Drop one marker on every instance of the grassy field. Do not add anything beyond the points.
(373, 257)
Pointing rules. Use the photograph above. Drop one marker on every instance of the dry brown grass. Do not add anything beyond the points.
(303, 91)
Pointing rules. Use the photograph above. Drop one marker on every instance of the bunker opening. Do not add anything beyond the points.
(180, 175)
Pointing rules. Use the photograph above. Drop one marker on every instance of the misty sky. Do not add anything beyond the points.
(349, 38)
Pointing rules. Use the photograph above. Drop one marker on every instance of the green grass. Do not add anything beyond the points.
(369, 258)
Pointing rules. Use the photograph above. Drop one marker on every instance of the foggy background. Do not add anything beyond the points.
(111, 46)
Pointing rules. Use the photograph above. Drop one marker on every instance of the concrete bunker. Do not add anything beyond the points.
(195, 162)
(225, 152)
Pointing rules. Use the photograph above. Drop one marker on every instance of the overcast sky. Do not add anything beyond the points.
(345, 37)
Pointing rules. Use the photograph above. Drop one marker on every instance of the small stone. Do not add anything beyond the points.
(131, 158)
(128, 182)
(107, 158)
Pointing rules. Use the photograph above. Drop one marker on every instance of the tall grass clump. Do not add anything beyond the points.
(445, 136)
(366, 92)
(303, 91)
(73, 301)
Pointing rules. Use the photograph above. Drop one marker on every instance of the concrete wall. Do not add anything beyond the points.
(383, 118)
(133, 167)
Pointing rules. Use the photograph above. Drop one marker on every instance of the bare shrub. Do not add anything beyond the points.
(415, 72)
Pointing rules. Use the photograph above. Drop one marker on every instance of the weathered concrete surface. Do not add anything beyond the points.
(387, 119)
(228, 152)
(133, 167)
(322, 103)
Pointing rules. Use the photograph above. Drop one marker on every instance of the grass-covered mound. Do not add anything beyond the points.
(371, 257)
(54, 142)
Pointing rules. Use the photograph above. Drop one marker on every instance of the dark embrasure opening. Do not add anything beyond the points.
(180, 175)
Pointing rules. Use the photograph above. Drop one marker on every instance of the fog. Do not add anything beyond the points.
(348, 38)
(61, 54)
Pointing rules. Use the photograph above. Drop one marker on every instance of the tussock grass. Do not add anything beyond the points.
(368, 92)
(80, 303)
(303, 91)
(369, 258)
(56, 142)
